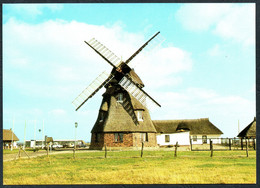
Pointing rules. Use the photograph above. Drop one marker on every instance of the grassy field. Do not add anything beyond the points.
(14, 151)
(126, 167)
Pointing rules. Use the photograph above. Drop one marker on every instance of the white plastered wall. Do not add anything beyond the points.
(213, 137)
(183, 138)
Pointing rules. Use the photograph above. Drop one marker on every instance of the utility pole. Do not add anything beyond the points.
(238, 127)
(76, 125)
(34, 133)
(42, 132)
(12, 136)
(24, 135)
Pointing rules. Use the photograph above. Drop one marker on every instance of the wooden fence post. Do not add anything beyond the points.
(105, 151)
(19, 154)
(190, 143)
(142, 149)
(242, 148)
(176, 146)
(48, 150)
(247, 147)
(211, 148)
(26, 153)
(229, 143)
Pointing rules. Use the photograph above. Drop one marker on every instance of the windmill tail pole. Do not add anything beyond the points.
(140, 49)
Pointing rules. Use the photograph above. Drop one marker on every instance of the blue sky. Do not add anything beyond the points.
(205, 68)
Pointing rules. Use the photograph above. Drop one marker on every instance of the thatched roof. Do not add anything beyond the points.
(195, 126)
(133, 75)
(7, 135)
(249, 131)
(136, 78)
(49, 139)
(120, 117)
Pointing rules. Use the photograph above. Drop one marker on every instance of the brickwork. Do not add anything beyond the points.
(109, 140)
(97, 145)
(129, 140)
(137, 141)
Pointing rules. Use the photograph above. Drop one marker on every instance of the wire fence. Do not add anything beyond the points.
(201, 144)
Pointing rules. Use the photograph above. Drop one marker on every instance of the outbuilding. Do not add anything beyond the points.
(8, 137)
(182, 131)
(249, 131)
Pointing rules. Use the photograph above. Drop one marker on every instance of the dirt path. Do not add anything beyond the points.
(10, 157)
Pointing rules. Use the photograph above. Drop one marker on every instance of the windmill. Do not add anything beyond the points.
(122, 77)
(120, 72)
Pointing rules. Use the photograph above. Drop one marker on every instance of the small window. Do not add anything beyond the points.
(101, 117)
(204, 139)
(194, 138)
(116, 137)
(139, 114)
(144, 137)
(119, 137)
(120, 97)
(167, 138)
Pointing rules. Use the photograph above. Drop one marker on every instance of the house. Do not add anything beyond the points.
(8, 137)
(122, 120)
(199, 130)
(249, 131)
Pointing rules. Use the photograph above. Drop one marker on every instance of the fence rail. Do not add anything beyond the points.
(222, 144)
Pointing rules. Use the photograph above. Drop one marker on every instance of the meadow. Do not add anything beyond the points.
(127, 167)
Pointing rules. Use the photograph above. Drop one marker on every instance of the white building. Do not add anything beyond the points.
(183, 138)
(197, 131)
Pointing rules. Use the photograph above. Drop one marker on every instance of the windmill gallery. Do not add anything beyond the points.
(124, 119)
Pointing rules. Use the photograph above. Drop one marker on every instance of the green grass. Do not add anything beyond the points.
(14, 151)
(126, 167)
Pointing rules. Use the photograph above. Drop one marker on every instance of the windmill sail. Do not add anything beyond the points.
(104, 52)
(141, 48)
(96, 85)
(155, 43)
(137, 92)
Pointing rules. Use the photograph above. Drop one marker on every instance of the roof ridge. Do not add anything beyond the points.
(182, 119)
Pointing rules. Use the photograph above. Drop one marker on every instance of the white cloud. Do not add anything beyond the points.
(215, 50)
(160, 68)
(201, 16)
(47, 65)
(201, 93)
(238, 24)
(50, 61)
(34, 9)
(54, 55)
(230, 21)
(192, 103)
